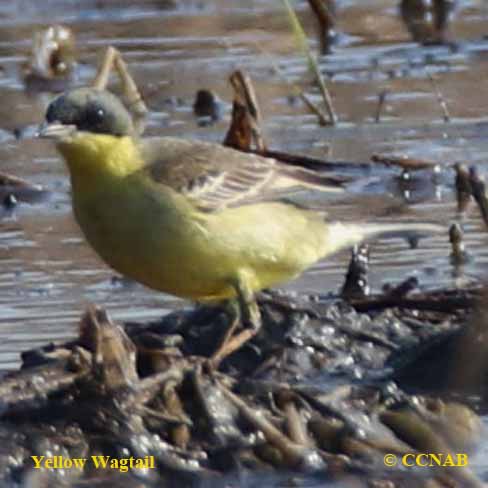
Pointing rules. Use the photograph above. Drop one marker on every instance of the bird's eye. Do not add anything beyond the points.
(95, 115)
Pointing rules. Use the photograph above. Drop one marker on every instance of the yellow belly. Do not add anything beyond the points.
(143, 234)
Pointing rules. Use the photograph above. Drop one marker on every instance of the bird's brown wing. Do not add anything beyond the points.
(215, 177)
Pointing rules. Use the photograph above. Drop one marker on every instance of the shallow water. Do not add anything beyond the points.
(49, 274)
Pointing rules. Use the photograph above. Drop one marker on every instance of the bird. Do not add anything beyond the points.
(192, 218)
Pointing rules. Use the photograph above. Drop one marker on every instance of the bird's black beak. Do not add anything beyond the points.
(55, 130)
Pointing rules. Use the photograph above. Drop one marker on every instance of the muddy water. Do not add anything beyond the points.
(48, 274)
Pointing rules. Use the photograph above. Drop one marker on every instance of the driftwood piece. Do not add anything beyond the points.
(324, 10)
(325, 14)
(478, 189)
(463, 188)
(404, 162)
(356, 282)
(113, 353)
(21, 391)
(314, 164)
(245, 128)
(447, 301)
(404, 288)
(7, 180)
(428, 21)
(458, 251)
(14, 189)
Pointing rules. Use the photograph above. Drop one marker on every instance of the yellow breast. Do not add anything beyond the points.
(152, 234)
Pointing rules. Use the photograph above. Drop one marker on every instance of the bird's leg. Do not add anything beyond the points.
(234, 316)
(244, 310)
(113, 60)
(251, 316)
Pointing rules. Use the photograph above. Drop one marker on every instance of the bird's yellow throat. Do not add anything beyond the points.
(90, 157)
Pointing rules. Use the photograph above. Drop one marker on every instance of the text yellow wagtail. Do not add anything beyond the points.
(193, 219)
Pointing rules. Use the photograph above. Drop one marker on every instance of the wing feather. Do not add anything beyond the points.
(214, 177)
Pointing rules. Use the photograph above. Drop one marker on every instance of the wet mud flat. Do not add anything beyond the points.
(322, 394)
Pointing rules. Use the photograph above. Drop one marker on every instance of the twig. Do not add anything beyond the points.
(113, 60)
(463, 187)
(356, 282)
(323, 121)
(297, 91)
(246, 116)
(316, 164)
(294, 453)
(404, 288)
(324, 12)
(478, 189)
(11, 181)
(404, 162)
(312, 62)
(381, 102)
(444, 301)
(458, 252)
(440, 98)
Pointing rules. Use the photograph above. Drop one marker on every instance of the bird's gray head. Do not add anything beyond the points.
(89, 110)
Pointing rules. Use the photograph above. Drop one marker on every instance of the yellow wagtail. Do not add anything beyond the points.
(190, 218)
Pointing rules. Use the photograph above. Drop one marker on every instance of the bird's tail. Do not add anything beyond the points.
(341, 235)
(404, 230)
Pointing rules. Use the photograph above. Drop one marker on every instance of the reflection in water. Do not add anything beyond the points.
(428, 20)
